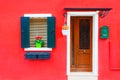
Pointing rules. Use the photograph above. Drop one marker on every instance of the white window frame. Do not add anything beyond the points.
(33, 48)
(84, 75)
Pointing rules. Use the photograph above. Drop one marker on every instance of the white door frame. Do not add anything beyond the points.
(84, 75)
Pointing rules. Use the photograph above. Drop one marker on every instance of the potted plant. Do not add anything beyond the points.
(65, 27)
(39, 42)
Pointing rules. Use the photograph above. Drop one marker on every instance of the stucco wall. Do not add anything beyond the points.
(13, 65)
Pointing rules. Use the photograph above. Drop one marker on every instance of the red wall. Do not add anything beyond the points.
(13, 65)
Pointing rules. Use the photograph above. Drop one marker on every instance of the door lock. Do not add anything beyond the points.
(84, 51)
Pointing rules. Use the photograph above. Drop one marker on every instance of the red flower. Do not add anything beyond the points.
(38, 37)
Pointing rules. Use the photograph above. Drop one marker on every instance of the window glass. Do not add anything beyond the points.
(84, 33)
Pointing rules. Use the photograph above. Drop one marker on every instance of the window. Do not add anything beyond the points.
(37, 26)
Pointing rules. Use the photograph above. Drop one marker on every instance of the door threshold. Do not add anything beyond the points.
(82, 76)
(83, 73)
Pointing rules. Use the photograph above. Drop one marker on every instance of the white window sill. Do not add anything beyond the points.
(37, 49)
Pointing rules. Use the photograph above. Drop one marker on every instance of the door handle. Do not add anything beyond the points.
(84, 51)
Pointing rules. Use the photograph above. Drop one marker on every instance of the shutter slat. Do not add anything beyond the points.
(32, 31)
(38, 23)
(25, 41)
(31, 39)
(37, 29)
(33, 19)
(43, 37)
(36, 34)
(51, 32)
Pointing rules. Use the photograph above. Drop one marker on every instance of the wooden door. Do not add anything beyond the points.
(81, 44)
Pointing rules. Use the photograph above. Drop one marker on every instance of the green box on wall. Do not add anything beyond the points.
(104, 32)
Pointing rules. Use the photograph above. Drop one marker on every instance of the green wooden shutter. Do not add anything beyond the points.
(25, 40)
(51, 42)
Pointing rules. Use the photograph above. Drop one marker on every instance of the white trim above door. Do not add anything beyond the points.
(84, 75)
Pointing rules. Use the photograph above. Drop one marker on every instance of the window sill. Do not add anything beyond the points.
(37, 49)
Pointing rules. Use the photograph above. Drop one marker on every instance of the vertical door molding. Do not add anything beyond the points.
(84, 75)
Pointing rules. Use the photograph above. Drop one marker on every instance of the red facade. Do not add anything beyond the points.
(14, 66)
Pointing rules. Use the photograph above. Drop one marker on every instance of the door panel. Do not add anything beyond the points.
(81, 44)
